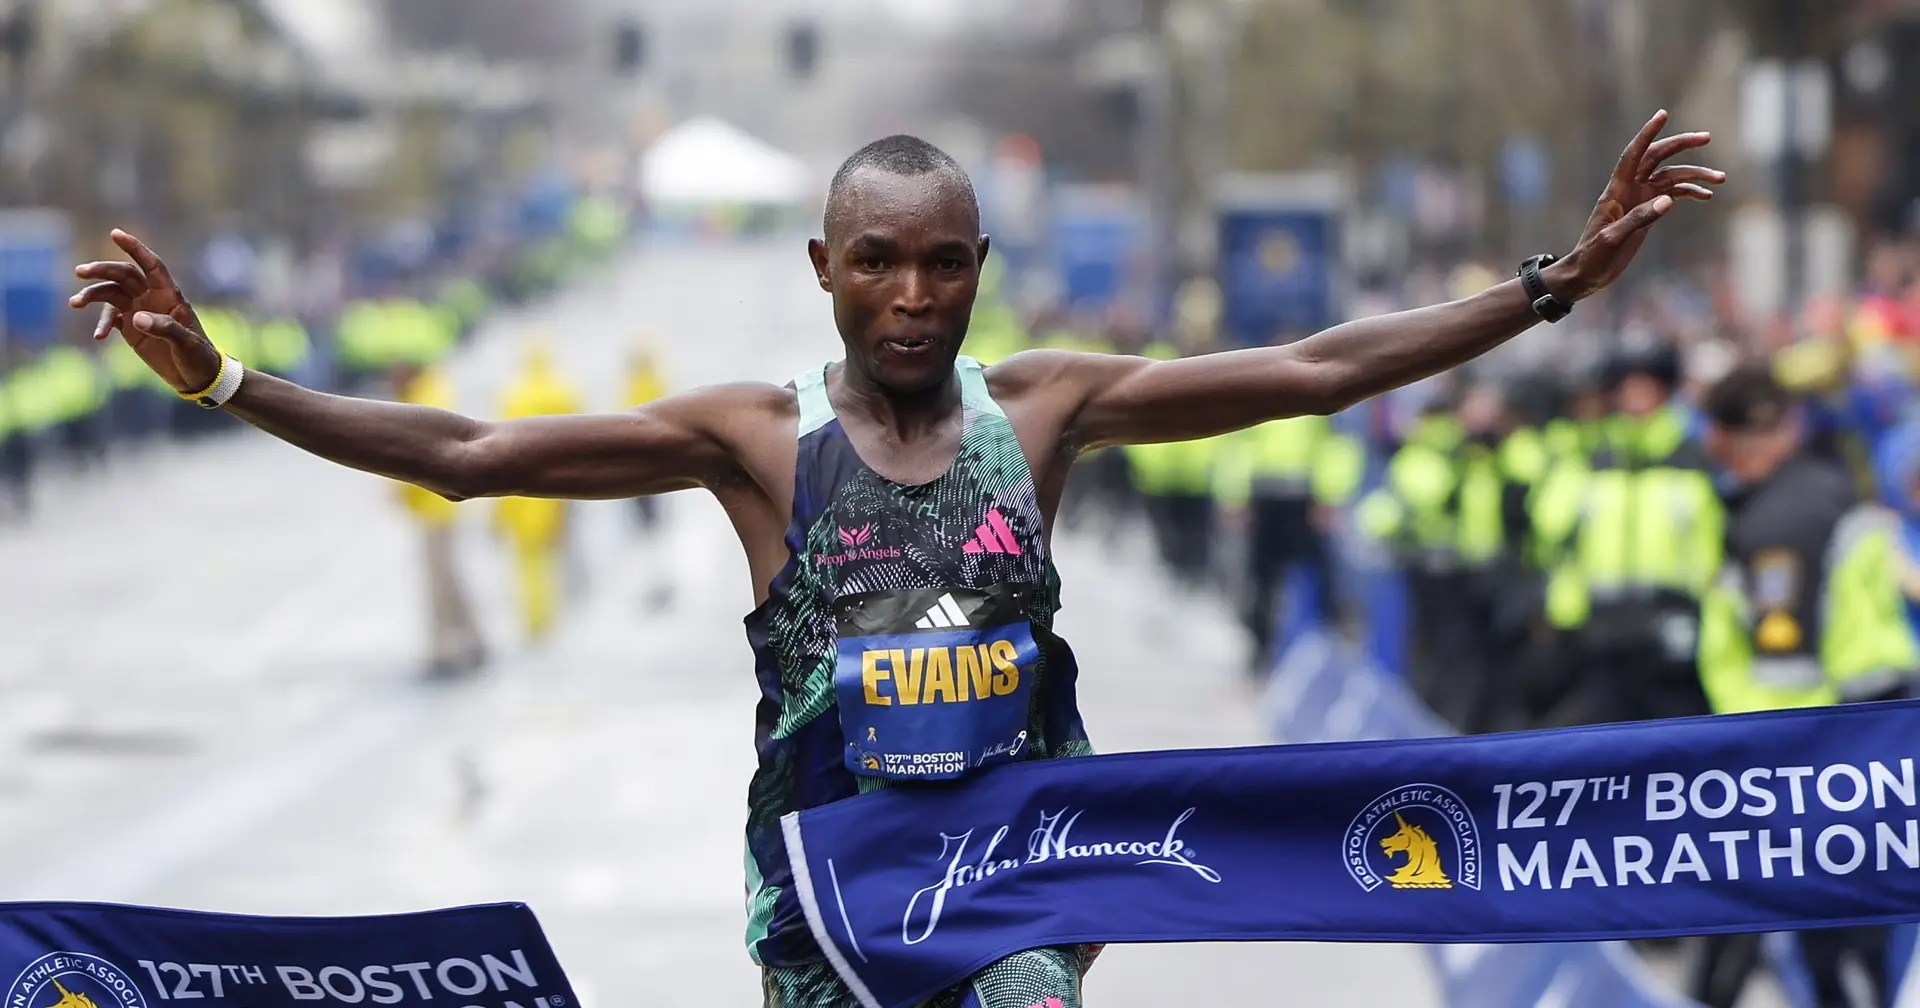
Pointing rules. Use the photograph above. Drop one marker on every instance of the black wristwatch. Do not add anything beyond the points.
(1545, 304)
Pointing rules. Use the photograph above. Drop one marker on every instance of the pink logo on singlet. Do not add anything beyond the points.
(995, 536)
(856, 536)
(1049, 1003)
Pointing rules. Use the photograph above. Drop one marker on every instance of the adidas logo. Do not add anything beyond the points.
(946, 613)
(996, 536)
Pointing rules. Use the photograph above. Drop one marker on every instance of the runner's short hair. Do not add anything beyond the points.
(1748, 400)
(899, 154)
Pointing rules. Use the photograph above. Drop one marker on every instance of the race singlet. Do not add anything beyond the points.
(933, 683)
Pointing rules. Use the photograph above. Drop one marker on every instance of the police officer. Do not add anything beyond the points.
(1578, 432)
(1633, 541)
(1807, 612)
(1495, 464)
(1176, 484)
(1411, 513)
(1289, 475)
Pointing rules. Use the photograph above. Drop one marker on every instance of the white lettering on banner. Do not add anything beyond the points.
(1755, 792)
(1823, 853)
(1636, 866)
(1857, 795)
(1051, 841)
(1581, 864)
(1664, 799)
(1791, 852)
(1838, 849)
(1729, 841)
(479, 979)
(1749, 786)
(1730, 850)
(1512, 871)
(1794, 775)
(1685, 857)
(394, 984)
(1907, 847)
(1884, 780)
(1724, 782)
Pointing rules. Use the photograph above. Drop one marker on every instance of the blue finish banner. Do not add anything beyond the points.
(1326, 689)
(88, 955)
(1775, 821)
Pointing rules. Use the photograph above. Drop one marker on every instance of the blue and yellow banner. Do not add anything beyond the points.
(85, 955)
(1765, 822)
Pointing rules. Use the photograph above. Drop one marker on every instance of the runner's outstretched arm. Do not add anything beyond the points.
(1130, 399)
(672, 444)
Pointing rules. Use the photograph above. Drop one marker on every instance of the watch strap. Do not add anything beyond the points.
(1545, 303)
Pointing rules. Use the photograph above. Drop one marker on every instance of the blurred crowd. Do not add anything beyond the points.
(390, 302)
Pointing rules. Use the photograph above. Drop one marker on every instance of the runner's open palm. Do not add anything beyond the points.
(1639, 193)
(142, 300)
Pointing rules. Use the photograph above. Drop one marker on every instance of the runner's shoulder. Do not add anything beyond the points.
(1047, 370)
(735, 404)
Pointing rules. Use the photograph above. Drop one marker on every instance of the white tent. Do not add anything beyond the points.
(705, 161)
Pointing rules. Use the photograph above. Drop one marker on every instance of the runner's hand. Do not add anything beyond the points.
(1640, 193)
(142, 300)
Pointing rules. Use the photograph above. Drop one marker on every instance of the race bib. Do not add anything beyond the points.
(933, 683)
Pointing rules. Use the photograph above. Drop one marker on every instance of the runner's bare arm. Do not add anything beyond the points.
(672, 444)
(1131, 399)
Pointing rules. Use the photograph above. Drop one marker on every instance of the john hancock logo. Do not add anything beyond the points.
(73, 980)
(1421, 836)
(856, 540)
(966, 862)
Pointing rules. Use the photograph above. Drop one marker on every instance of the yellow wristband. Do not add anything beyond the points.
(214, 384)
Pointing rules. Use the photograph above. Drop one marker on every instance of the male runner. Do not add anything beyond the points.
(901, 495)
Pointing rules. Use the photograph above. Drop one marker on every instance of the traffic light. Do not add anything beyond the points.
(803, 50)
(629, 48)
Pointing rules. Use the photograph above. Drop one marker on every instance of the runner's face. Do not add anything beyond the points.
(903, 266)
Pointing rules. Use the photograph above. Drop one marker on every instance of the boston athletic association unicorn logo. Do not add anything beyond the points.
(1423, 869)
(72, 980)
(1419, 836)
(69, 999)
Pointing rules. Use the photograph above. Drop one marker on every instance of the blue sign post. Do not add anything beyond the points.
(1280, 256)
(35, 255)
(1098, 236)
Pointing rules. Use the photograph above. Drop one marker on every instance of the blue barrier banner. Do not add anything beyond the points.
(1774, 821)
(1575, 975)
(87, 955)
